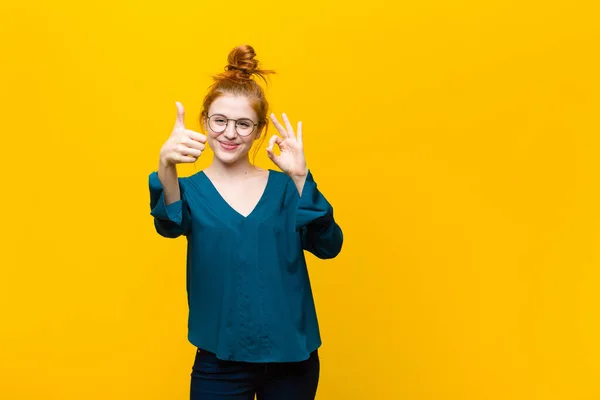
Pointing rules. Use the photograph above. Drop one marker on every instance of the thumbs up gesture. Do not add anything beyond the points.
(184, 145)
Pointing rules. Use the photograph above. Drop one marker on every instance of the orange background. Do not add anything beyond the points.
(457, 141)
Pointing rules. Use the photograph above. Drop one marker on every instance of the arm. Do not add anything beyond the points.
(320, 234)
(167, 174)
(167, 203)
(167, 192)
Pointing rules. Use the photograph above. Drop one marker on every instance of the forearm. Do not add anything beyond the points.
(324, 239)
(299, 181)
(167, 173)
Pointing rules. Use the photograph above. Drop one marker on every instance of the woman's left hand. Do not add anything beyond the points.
(291, 152)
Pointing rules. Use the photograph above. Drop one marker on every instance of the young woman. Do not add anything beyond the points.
(251, 310)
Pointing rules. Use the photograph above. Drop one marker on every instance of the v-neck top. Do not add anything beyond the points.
(223, 202)
(248, 288)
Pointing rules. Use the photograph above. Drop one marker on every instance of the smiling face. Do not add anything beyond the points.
(230, 145)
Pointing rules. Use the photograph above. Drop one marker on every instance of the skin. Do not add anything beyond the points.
(230, 169)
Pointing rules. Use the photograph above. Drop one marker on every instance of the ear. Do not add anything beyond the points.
(203, 122)
(261, 128)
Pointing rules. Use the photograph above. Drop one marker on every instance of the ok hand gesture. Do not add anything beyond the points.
(291, 157)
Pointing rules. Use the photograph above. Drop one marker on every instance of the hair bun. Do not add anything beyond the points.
(242, 64)
(241, 58)
(240, 69)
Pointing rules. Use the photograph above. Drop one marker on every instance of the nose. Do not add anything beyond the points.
(230, 132)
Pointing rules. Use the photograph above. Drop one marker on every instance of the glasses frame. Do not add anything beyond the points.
(208, 117)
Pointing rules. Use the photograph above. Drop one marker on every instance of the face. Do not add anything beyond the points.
(230, 145)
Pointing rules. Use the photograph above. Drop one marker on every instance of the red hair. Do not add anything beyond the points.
(237, 80)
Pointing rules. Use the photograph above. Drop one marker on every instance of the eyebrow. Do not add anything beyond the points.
(226, 116)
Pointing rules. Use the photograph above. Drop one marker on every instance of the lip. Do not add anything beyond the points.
(228, 146)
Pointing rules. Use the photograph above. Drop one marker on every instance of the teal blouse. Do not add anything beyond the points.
(248, 287)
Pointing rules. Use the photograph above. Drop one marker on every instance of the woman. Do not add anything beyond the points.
(251, 311)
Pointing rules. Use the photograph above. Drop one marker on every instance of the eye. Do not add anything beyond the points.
(245, 123)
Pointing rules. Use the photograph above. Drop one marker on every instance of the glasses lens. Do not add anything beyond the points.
(244, 127)
(218, 123)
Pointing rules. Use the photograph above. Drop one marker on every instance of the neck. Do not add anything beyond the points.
(235, 170)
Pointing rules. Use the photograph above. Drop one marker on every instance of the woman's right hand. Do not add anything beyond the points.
(184, 145)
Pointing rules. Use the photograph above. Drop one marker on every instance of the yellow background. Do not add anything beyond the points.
(457, 140)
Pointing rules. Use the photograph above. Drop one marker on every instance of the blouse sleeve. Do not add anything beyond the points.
(320, 233)
(171, 220)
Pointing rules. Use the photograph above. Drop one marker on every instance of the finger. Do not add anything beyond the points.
(278, 125)
(180, 158)
(274, 157)
(299, 132)
(188, 159)
(288, 125)
(180, 114)
(274, 140)
(188, 151)
(196, 136)
(193, 144)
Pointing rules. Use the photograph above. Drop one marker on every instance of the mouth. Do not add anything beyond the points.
(229, 146)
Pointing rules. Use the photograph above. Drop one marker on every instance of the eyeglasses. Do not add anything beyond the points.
(243, 126)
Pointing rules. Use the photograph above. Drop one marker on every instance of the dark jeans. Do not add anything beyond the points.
(214, 379)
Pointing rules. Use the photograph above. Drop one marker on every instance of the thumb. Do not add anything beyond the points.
(180, 121)
(274, 157)
(275, 140)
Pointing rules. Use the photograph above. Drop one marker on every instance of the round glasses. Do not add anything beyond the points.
(243, 126)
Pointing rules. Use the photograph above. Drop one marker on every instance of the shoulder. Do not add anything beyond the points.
(184, 181)
(285, 178)
(278, 175)
(280, 185)
(198, 182)
(279, 178)
(195, 177)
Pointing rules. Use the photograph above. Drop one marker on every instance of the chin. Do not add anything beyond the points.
(229, 158)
